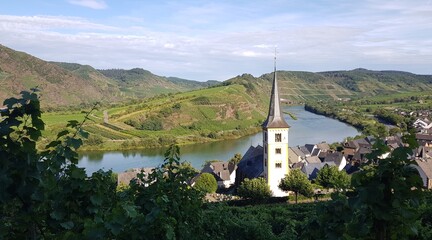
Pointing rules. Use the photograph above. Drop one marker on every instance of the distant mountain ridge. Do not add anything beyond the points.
(141, 83)
(72, 84)
(303, 86)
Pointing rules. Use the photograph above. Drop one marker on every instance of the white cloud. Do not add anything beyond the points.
(169, 45)
(32, 23)
(94, 4)
(370, 36)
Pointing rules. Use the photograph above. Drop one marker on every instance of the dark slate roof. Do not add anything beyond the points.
(311, 170)
(316, 152)
(251, 165)
(322, 155)
(350, 169)
(275, 118)
(310, 147)
(335, 157)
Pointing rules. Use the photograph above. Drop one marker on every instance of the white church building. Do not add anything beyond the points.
(271, 160)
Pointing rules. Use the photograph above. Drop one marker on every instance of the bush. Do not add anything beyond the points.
(152, 123)
(94, 140)
(256, 188)
(206, 183)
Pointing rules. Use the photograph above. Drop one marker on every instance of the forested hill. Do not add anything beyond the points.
(138, 82)
(303, 86)
(59, 87)
(71, 84)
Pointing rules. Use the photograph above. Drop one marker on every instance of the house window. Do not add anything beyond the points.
(278, 151)
(278, 165)
(278, 137)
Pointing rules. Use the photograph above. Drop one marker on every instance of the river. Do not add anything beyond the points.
(308, 128)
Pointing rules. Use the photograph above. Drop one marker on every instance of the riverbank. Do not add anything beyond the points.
(303, 131)
(166, 140)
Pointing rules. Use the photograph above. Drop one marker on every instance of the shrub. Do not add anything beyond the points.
(206, 183)
(152, 123)
(256, 188)
(94, 140)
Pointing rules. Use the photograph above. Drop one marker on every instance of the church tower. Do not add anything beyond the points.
(275, 142)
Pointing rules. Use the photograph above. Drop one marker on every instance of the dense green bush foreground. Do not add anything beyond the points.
(44, 195)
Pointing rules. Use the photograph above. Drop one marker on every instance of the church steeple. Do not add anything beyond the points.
(275, 117)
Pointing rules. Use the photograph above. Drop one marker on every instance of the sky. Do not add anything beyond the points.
(217, 40)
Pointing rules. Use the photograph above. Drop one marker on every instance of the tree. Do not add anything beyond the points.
(386, 196)
(206, 183)
(172, 209)
(297, 182)
(383, 202)
(236, 159)
(331, 177)
(256, 188)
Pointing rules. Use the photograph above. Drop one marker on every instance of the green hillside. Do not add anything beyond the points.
(75, 85)
(306, 86)
(140, 83)
(203, 115)
(230, 110)
(59, 87)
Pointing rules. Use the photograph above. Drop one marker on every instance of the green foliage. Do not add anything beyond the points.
(297, 182)
(236, 159)
(202, 100)
(383, 203)
(331, 177)
(152, 123)
(94, 140)
(256, 188)
(45, 195)
(206, 183)
(172, 209)
(277, 221)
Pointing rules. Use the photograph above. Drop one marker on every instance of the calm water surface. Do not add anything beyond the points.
(308, 128)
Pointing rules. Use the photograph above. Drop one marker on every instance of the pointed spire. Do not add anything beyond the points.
(275, 118)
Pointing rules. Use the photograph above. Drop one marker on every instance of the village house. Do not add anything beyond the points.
(424, 139)
(311, 170)
(424, 167)
(337, 158)
(295, 155)
(124, 178)
(355, 150)
(224, 173)
(422, 124)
